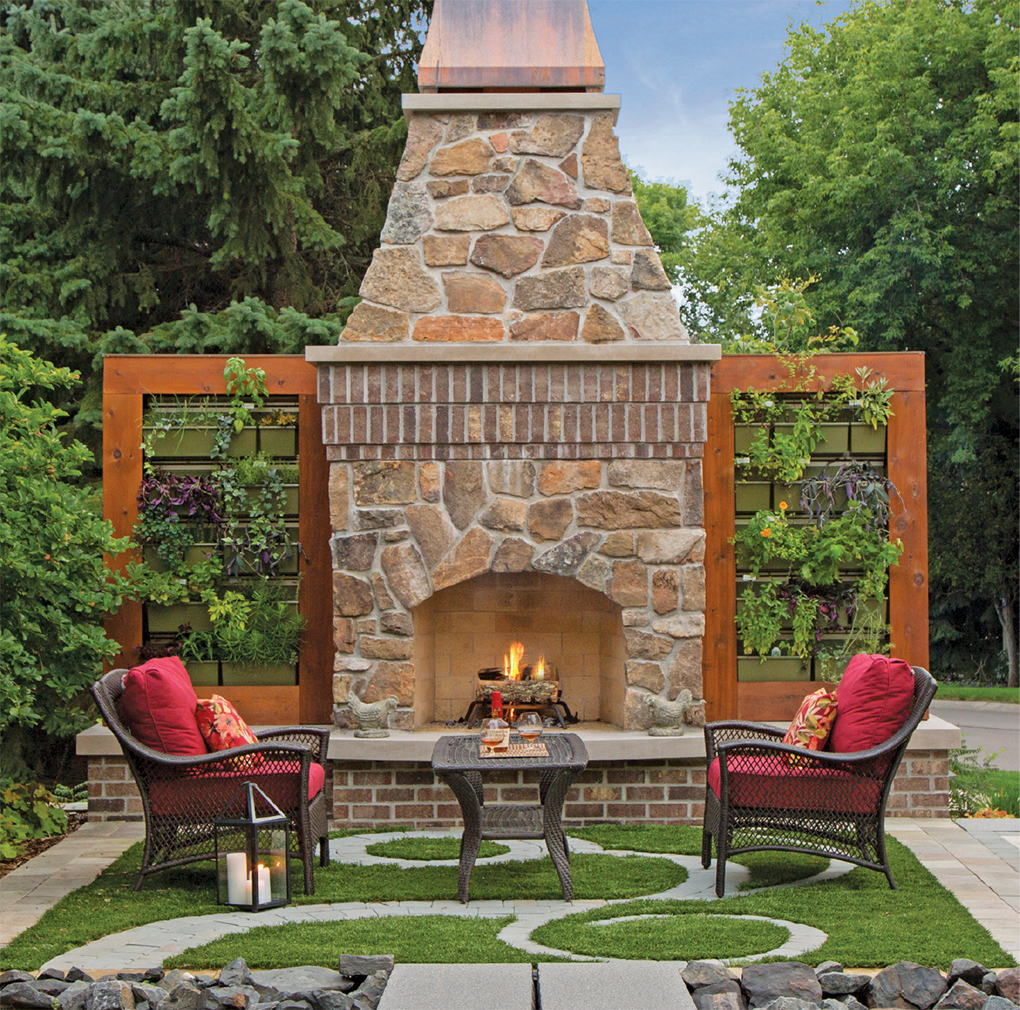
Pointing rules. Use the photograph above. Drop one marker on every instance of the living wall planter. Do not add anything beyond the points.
(751, 669)
(750, 497)
(204, 674)
(269, 675)
(199, 443)
(170, 619)
(278, 441)
(865, 440)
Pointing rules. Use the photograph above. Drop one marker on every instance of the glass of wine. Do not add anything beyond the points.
(530, 726)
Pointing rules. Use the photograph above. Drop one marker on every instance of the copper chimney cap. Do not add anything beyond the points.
(511, 45)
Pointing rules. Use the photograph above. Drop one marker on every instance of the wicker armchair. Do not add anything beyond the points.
(182, 795)
(775, 796)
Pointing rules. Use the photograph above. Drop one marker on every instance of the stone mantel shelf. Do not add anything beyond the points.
(494, 353)
(482, 101)
(602, 744)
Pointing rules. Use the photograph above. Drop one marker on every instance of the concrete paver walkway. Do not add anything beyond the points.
(979, 861)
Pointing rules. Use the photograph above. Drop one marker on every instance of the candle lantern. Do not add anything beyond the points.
(252, 847)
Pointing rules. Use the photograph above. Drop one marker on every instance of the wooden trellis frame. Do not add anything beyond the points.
(127, 378)
(908, 581)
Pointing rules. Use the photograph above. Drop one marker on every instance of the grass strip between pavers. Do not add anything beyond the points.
(868, 924)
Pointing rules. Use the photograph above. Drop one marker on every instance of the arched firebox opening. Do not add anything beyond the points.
(470, 627)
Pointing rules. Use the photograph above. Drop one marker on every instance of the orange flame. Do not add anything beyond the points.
(512, 662)
(538, 670)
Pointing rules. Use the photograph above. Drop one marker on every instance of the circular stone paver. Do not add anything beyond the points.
(146, 945)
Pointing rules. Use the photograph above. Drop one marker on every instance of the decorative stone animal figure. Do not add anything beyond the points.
(373, 717)
(668, 716)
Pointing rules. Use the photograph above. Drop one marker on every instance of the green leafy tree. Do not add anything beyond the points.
(195, 175)
(880, 160)
(56, 591)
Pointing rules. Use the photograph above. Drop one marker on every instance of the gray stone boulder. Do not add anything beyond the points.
(839, 983)
(708, 997)
(763, 983)
(1007, 985)
(698, 974)
(998, 1003)
(969, 971)
(24, 996)
(907, 985)
(962, 996)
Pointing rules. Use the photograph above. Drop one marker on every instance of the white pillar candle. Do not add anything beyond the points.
(265, 895)
(238, 878)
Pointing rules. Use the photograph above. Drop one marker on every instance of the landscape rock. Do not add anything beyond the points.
(288, 983)
(15, 975)
(109, 994)
(906, 984)
(839, 983)
(353, 965)
(962, 996)
(25, 996)
(764, 983)
(828, 966)
(792, 1003)
(565, 558)
(229, 997)
(73, 997)
(1007, 984)
(999, 1003)
(706, 997)
(969, 971)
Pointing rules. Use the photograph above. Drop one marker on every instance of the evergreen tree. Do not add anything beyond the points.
(195, 175)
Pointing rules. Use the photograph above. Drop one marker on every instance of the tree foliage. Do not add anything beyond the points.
(880, 159)
(199, 175)
(51, 544)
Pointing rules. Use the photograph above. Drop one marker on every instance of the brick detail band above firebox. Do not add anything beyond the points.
(542, 410)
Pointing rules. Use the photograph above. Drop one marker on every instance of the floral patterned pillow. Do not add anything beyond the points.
(220, 725)
(812, 723)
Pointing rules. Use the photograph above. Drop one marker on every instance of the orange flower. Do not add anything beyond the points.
(766, 532)
(783, 506)
(46, 557)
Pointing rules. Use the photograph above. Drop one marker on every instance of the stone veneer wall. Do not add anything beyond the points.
(514, 225)
(627, 523)
(385, 794)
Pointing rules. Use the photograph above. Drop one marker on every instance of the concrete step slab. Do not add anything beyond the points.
(459, 987)
(613, 985)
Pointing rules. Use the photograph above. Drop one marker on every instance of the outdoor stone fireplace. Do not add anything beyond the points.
(515, 417)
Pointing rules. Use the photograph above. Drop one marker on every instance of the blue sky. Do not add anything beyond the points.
(676, 65)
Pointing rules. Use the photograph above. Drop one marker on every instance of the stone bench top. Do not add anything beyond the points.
(606, 744)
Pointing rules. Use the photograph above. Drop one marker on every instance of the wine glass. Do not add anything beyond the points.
(530, 726)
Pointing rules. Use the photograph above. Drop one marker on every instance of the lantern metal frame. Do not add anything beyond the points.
(236, 885)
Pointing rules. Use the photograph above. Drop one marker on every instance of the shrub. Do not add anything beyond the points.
(27, 810)
(56, 589)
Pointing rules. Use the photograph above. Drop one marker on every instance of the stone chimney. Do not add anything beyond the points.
(515, 393)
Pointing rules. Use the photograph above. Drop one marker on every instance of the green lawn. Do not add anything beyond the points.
(921, 922)
(963, 692)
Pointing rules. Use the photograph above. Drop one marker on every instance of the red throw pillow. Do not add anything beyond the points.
(158, 706)
(812, 723)
(220, 725)
(874, 696)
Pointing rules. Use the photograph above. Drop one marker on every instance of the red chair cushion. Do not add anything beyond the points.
(874, 698)
(204, 795)
(220, 725)
(158, 706)
(762, 782)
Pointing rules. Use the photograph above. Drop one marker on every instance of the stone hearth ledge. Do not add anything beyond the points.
(602, 744)
(395, 354)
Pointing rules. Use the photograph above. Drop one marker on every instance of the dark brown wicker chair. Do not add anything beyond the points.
(183, 796)
(819, 803)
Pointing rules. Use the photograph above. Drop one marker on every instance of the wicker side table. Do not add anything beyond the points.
(456, 760)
